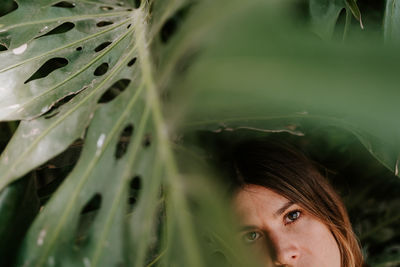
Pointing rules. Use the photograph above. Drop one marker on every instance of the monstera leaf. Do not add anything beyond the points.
(87, 70)
(84, 69)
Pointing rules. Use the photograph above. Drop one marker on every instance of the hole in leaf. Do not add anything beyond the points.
(3, 48)
(48, 67)
(52, 173)
(63, 28)
(129, 26)
(129, 9)
(53, 111)
(106, 8)
(104, 23)
(123, 142)
(102, 46)
(134, 190)
(64, 4)
(79, 48)
(115, 89)
(101, 70)
(93, 204)
(7, 129)
(131, 201)
(171, 26)
(86, 218)
(137, 3)
(131, 62)
(8, 7)
(136, 183)
(147, 140)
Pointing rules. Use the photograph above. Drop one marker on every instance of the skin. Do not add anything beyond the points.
(298, 238)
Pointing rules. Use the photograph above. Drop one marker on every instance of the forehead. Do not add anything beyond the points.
(257, 201)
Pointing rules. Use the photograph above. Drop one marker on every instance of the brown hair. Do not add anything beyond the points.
(284, 170)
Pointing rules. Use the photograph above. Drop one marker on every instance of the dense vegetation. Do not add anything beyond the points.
(112, 111)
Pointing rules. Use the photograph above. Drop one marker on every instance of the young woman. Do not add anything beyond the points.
(284, 201)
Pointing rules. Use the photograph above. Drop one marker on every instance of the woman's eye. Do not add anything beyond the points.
(251, 237)
(292, 216)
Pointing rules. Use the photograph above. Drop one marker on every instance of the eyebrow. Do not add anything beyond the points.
(247, 227)
(283, 208)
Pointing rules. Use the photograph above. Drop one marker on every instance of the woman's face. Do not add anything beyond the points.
(298, 237)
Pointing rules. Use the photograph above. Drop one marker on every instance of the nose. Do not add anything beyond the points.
(286, 250)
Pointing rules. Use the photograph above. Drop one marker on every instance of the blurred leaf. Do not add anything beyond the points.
(391, 26)
(324, 15)
(273, 85)
(390, 258)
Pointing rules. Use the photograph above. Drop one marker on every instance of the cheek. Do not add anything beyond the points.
(317, 243)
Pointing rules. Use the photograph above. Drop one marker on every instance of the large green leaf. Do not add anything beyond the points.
(324, 15)
(38, 140)
(289, 81)
(97, 48)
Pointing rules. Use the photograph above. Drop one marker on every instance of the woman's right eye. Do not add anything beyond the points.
(251, 237)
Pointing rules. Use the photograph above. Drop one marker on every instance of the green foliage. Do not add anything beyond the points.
(123, 78)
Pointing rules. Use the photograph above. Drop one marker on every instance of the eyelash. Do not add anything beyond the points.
(286, 217)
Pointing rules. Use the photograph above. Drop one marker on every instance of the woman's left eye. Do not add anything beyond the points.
(250, 237)
(292, 216)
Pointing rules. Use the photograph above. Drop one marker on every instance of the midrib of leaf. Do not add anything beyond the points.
(62, 19)
(255, 118)
(62, 118)
(246, 119)
(172, 174)
(65, 46)
(79, 71)
(87, 173)
(156, 259)
(336, 121)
